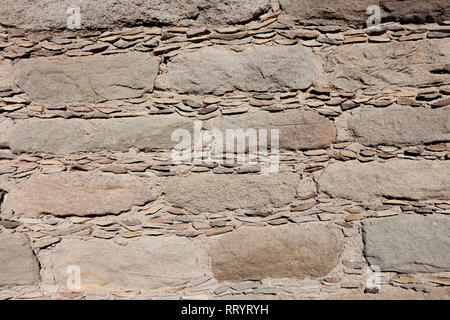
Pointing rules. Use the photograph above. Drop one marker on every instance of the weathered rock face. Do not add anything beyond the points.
(400, 125)
(215, 193)
(74, 135)
(6, 126)
(415, 11)
(48, 14)
(256, 253)
(395, 178)
(94, 79)
(147, 263)
(18, 264)
(403, 64)
(298, 130)
(344, 12)
(260, 69)
(79, 194)
(408, 244)
(328, 11)
(6, 74)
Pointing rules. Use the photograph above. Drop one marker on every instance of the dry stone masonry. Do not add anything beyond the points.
(94, 206)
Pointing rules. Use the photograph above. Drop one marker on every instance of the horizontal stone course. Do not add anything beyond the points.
(261, 69)
(289, 251)
(409, 244)
(18, 264)
(79, 194)
(87, 79)
(99, 14)
(397, 178)
(387, 65)
(58, 136)
(215, 193)
(147, 263)
(399, 125)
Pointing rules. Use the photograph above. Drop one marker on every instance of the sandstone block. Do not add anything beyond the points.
(395, 178)
(307, 250)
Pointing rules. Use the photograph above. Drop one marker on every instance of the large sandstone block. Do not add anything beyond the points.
(387, 65)
(215, 193)
(341, 12)
(58, 136)
(261, 69)
(298, 130)
(400, 125)
(87, 79)
(6, 126)
(415, 11)
(6, 74)
(354, 12)
(79, 194)
(99, 14)
(147, 263)
(410, 179)
(18, 264)
(307, 250)
(408, 244)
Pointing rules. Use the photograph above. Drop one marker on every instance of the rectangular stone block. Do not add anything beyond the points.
(354, 12)
(58, 136)
(147, 263)
(18, 264)
(87, 79)
(387, 65)
(79, 194)
(102, 14)
(260, 69)
(298, 130)
(215, 193)
(400, 125)
(397, 178)
(306, 250)
(409, 244)
(328, 12)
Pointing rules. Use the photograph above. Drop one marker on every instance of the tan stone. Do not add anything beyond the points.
(79, 194)
(251, 253)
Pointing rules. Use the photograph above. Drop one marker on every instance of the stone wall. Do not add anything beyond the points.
(88, 183)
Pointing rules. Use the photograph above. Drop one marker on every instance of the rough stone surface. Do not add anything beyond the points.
(6, 74)
(215, 193)
(415, 11)
(396, 178)
(289, 251)
(298, 130)
(262, 69)
(18, 264)
(94, 79)
(50, 14)
(79, 194)
(340, 12)
(6, 126)
(59, 136)
(408, 244)
(400, 125)
(143, 264)
(354, 12)
(403, 64)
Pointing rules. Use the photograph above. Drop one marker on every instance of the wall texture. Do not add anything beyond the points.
(87, 178)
